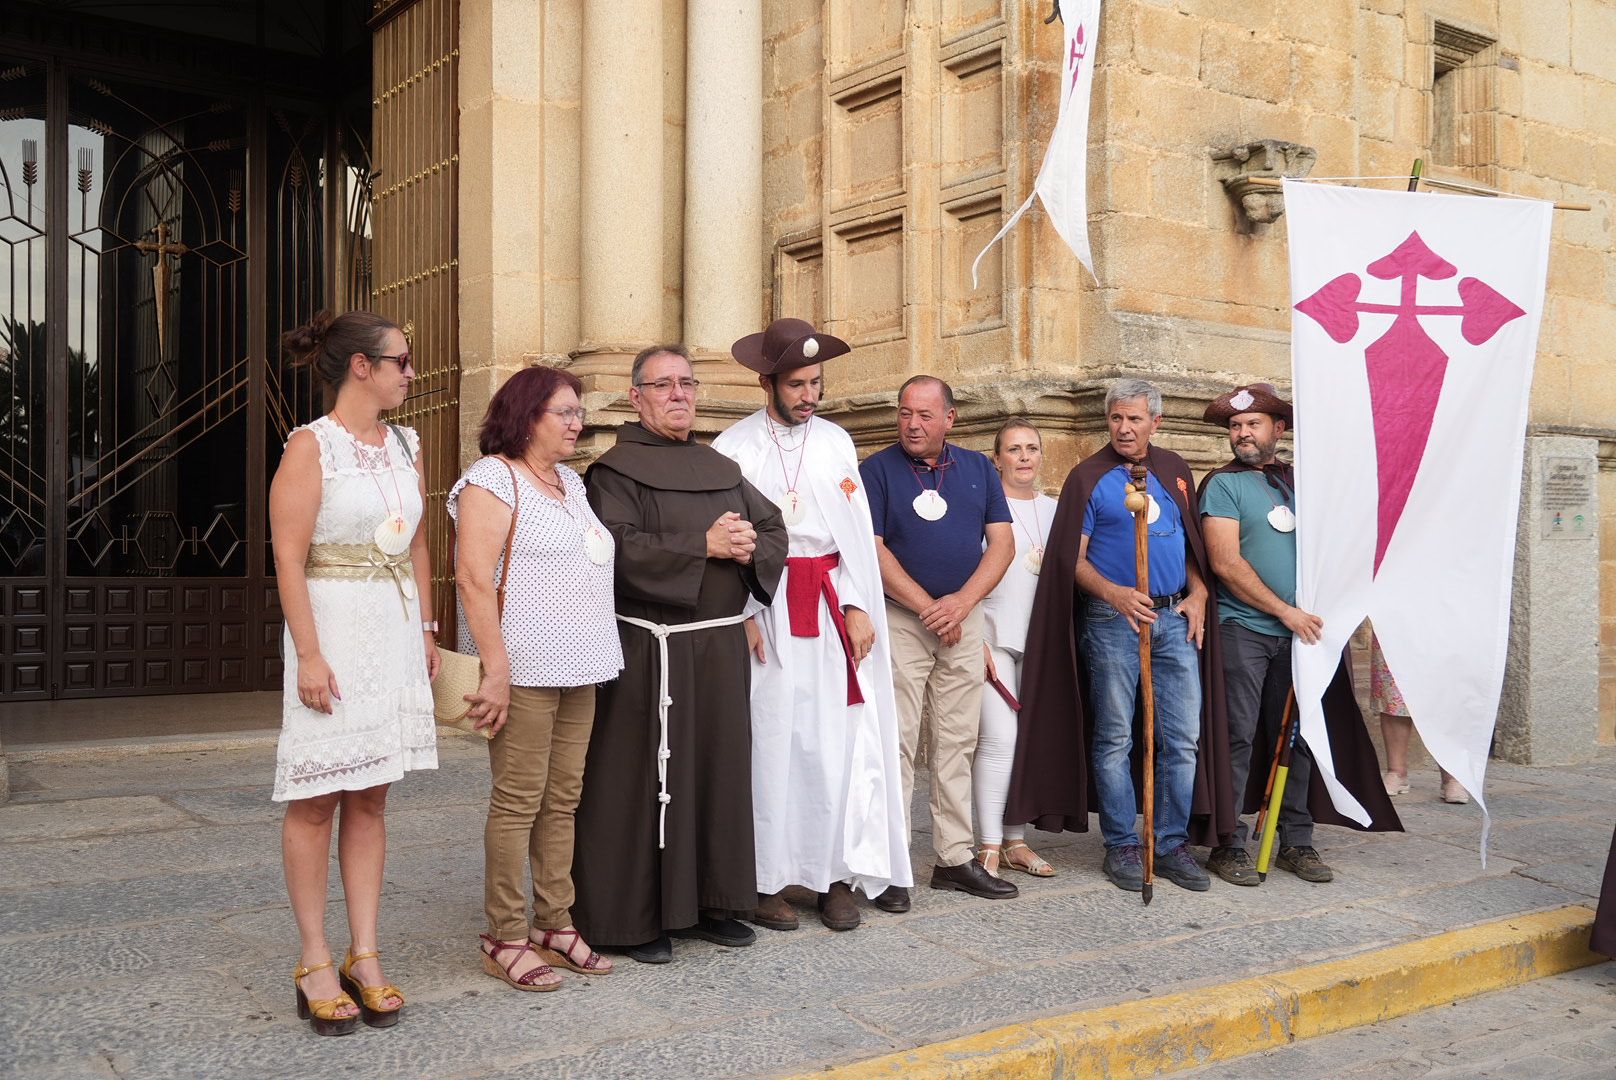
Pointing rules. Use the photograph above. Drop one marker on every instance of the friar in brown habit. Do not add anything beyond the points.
(664, 825)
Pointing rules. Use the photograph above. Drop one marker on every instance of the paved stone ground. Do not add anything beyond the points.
(144, 932)
(1559, 1028)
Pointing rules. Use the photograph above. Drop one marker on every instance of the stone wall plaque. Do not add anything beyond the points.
(1566, 511)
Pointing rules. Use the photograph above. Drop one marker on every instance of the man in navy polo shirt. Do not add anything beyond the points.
(944, 539)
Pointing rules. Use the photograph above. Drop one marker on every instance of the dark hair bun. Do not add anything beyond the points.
(304, 342)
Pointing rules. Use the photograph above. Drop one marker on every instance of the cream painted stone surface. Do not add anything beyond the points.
(722, 285)
(622, 211)
(1550, 707)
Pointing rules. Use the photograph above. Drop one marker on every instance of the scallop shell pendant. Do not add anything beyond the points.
(393, 536)
(1034, 560)
(597, 545)
(930, 505)
(792, 510)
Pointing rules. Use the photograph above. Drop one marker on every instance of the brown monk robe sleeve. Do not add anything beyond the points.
(762, 575)
(653, 567)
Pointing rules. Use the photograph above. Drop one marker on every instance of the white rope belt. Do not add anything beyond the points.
(660, 631)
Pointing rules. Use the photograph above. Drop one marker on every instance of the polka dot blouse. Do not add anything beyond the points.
(559, 625)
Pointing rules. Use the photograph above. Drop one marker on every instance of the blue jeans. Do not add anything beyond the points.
(1111, 650)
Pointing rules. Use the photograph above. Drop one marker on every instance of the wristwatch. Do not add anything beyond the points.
(429, 626)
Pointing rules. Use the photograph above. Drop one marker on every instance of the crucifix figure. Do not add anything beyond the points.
(162, 277)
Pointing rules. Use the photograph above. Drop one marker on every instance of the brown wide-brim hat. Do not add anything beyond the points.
(786, 345)
(1253, 397)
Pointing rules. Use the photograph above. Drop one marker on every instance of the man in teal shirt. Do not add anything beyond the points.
(1248, 513)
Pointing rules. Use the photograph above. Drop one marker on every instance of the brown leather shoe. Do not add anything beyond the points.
(774, 913)
(895, 898)
(837, 909)
(969, 877)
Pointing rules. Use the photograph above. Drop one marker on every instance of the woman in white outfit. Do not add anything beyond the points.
(1018, 453)
(354, 579)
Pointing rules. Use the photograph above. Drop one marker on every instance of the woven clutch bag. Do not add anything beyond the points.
(460, 674)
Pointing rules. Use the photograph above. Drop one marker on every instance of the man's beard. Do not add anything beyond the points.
(1254, 452)
(785, 415)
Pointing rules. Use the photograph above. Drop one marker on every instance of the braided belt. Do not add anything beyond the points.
(660, 631)
(362, 562)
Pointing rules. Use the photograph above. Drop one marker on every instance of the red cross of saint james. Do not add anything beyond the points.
(1405, 366)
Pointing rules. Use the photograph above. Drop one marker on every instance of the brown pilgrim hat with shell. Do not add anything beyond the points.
(786, 345)
(1253, 397)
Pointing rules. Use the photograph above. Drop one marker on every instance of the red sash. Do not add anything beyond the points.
(807, 579)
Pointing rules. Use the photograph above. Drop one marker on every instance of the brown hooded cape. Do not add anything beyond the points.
(1604, 936)
(658, 497)
(1356, 764)
(1050, 786)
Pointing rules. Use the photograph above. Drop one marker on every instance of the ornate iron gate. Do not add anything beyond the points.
(154, 241)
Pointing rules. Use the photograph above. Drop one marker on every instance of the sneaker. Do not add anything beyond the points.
(1125, 867)
(1234, 865)
(1180, 867)
(1305, 863)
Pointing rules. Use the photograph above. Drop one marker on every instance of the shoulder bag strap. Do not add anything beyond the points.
(510, 538)
(409, 456)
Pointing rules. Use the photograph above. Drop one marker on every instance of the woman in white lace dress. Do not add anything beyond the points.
(354, 579)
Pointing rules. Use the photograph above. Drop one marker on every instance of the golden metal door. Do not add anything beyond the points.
(414, 150)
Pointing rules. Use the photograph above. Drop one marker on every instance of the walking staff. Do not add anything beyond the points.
(1138, 504)
(1279, 773)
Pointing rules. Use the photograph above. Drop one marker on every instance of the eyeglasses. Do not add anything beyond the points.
(569, 415)
(665, 386)
(403, 360)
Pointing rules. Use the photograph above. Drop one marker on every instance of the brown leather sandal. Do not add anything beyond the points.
(322, 1014)
(592, 964)
(372, 999)
(528, 979)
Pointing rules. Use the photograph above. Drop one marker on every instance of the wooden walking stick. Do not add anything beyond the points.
(1278, 773)
(1138, 504)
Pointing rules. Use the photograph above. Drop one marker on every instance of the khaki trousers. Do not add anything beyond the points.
(945, 682)
(538, 765)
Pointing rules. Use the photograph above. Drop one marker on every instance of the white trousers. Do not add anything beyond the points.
(996, 753)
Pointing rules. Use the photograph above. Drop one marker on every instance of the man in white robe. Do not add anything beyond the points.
(826, 783)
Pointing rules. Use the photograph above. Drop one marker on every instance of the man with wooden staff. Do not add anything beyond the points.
(1248, 513)
(1070, 710)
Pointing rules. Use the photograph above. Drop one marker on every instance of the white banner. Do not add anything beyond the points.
(1412, 341)
(1063, 179)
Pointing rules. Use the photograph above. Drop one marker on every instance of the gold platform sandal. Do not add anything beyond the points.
(322, 1015)
(371, 997)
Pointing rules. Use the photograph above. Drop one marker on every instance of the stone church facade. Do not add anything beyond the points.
(567, 181)
(646, 187)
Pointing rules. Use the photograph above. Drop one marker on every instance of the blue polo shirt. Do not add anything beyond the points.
(940, 555)
(1109, 527)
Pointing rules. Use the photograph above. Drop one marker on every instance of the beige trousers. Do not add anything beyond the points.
(946, 683)
(538, 764)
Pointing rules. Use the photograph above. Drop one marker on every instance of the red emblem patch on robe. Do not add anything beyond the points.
(848, 487)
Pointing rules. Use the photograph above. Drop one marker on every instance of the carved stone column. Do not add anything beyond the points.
(723, 285)
(620, 234)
